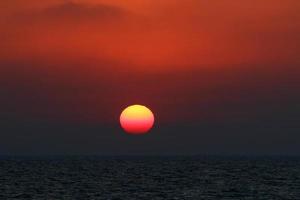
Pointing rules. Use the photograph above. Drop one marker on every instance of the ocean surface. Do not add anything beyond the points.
(150, 178)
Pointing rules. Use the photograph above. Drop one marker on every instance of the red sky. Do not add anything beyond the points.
(88, 59)
(148, 34)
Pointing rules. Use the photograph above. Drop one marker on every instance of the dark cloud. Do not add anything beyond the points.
(75, 12)
(233, 110)
(86, 92)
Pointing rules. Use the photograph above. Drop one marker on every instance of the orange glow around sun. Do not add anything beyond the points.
(137, 119)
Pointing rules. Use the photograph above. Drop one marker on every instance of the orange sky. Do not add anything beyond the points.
(88, 59)
(147, 34)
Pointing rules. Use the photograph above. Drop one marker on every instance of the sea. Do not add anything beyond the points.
(150, 178)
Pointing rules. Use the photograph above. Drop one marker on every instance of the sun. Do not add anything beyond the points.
(137, 119)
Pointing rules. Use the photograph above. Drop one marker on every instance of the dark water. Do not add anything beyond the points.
(150, 178)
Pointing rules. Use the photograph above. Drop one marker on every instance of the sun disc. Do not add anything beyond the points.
(137, 119)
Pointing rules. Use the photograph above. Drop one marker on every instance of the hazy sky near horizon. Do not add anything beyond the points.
(220, 76)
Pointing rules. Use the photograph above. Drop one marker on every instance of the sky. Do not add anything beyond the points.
(221, 76)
